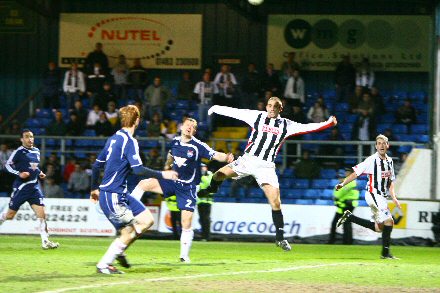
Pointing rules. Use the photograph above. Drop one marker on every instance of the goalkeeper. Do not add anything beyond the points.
(345, 198)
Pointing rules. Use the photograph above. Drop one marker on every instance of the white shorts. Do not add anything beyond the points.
(379, 207)
(262, 171)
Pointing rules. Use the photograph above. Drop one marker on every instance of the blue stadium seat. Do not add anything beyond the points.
(304, 201)
(345, 127)
(422, 138)
(284, 183)
(89, 132)
(350, 118)
(256, 192)
(182, 104)
(300, 183)
(250, 200)
(362, 195)
(387, 118)
(404, 149)
(293, 193)
(383, 126)
(33, 123)
(409, 137)
(327, 194)
(288, 173)
(400, 128)
(320, 183)
(43, 113)
(323, 202)
(419, 129)
(328, 173)
(4, 194)
(422, 118)
(312, 193)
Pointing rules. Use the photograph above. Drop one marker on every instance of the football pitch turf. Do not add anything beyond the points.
(215, 267)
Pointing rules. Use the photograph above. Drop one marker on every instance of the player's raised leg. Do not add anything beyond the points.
(219, 176)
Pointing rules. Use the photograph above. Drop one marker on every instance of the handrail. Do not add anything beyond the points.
(22, 105)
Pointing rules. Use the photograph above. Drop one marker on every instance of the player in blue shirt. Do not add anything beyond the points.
(23, 163)
(127, 214)
(185, 157)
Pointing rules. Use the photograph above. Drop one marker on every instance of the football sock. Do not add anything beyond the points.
(43, 230)
(386, 239)
(185, 242)
(137, 193)
(115, 249)
(362, 222)
(278, 221)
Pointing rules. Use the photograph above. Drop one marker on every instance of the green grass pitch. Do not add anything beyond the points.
(215, 267)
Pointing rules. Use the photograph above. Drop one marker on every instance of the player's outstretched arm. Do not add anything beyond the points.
(347, 180)
(246, 115)
(222, 157)
(294, 128)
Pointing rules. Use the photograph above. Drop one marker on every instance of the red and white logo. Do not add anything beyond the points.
(271, 129)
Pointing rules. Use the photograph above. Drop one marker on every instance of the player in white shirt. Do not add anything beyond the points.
(269, 130)
(380, 170)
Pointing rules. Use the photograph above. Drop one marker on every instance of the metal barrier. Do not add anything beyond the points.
(67, 146)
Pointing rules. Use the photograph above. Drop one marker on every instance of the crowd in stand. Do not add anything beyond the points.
(88, 98)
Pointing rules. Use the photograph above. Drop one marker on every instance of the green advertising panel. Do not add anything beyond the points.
(391, 42)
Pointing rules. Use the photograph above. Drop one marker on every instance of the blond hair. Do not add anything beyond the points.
(381, 136)
(128, 115)
(277, 101)
(193, 121)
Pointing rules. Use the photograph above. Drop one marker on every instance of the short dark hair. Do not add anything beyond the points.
(24, 130)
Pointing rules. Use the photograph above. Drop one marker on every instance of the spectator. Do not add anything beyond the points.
(155, 127)
(52, 171)
(105, 96)
(68, 169)
(355, 98)
(399, 163)
(226, 82)
(120, 75)
(154, 160)
(307, 168)
(74, 126)
(289, 66)
(137, 78)
(185, 87)
(93, 116)
(97, 56)
(391, 137)
(51, 87)
(298, 114)
(365, 75)
(170, 129)
(156, 96)
(79, 181)
(365, 126)
(271, 80)
(82, 113)
(406, 113)
(95, 82)
(318, 113)
(206, 90)
(74, 85)
(261, 106)
(103, 127)
(287, 108)
(345, 79)
(51, 189)
(294, 91)
(378, 101)
(6, 178)
(57, 127)
(250, 87)
(113, 116)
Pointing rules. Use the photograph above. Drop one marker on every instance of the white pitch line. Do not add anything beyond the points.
(162, 279)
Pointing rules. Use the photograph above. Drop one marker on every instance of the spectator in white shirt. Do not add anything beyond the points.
(205, 90)
(74, 84)
(93, 116)
(226, 82)
(294, 91)
(365, 75)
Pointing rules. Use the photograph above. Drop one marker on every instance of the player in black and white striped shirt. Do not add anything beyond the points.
(268, 133)
(380, 170)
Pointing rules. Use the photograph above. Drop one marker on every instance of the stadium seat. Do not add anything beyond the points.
(350, 118)
(284, 183)
(422, 138)
(304, 201)
(250, 200)
(327, 194)
(43, 113)
(292, 193)
(328, 173)
(419, 129)
(288, 173)
(400, 128)
(300, 183)
(312, 193)
(33, 123)
(323, 202)
(89, 132)
(256, 192)
(387, 118)
(320, 183)
(362, 195)
(404, 149)
(383, 126)
(182, 104)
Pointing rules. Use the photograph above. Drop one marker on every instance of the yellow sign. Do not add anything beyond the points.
(399, 215)
(159, 40)
(391, 42)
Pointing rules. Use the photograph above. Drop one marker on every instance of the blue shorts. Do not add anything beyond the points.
(186, 194)
(32, 196)
(120, 208)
